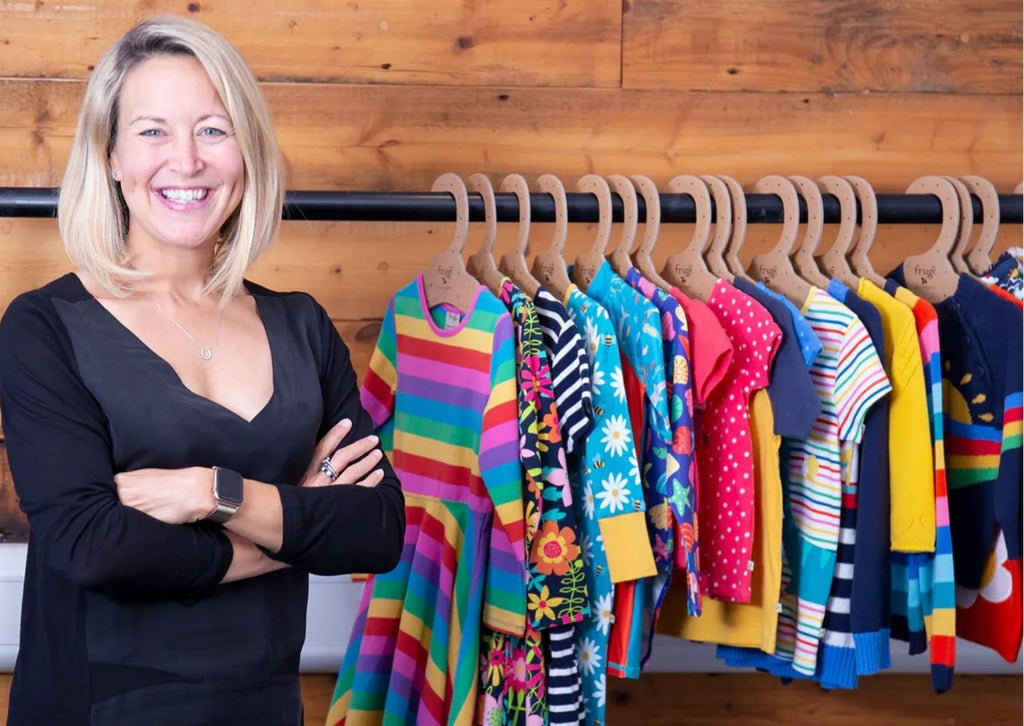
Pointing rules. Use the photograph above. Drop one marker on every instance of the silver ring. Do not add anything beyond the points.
(328, 468)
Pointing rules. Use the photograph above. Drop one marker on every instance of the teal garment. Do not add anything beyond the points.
(638, 325)
(606, 483)
(682, 471)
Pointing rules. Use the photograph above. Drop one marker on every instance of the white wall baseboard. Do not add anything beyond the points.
(333, 602)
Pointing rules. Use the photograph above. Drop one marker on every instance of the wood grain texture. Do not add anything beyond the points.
(402, 138)
(444, 42)
(669, 699)
(821, 45)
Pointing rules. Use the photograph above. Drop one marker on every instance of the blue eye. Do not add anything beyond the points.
(212, 132)
(151, 132)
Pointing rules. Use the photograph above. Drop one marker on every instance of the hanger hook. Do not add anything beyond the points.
(783, 188)
(517, 184)
(622, 186)
(480, 184)
(454, 185)
(551, 184)
(596, 185)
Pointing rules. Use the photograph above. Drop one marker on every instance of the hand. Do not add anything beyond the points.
(353, 464)
(174, 496)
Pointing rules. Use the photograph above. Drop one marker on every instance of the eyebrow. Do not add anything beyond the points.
(159, 120)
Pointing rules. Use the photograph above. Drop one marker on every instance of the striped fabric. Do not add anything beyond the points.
(938, 589)
(849, 378)
(570, 372)
(571, 385)
(449, 393)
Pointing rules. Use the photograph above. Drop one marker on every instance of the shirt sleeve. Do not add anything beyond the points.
(860, 380)
(505, 586)
(60, 456)
(1011, 470)
(342, 529)
(611, 467)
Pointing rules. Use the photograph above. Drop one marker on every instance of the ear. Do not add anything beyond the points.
(115, 165)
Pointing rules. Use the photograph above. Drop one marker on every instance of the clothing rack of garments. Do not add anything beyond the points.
(38, 202)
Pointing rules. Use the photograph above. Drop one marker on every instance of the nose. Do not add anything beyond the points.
(186, 158)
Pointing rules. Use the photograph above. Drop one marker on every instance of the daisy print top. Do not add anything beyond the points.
(608, 499)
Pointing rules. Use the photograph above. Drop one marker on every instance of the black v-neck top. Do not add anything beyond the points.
(123, 619)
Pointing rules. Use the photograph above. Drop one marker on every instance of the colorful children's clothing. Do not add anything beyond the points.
(981, 343)
(615, 543)
(683, 483)
(412, 657)
(570, 371)
(753, 624)
(513, 669)
(795, 404)
(710, 347)
(935, 572)
(725, 456)
(863, 529)
(912, 494)
(639, 332)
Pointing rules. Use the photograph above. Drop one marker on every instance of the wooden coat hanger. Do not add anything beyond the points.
(587, 264)
(774, 267)
(446, 280)
(930, 274)
(714, 256)
(833, 261)
(963, 237)
(652, 226)
(739, 226)
(803, 259)
(619, 258)
(687, 269)
(481, 264)
(859, 258)
(549, 265)
(513, 263)
(979, 259)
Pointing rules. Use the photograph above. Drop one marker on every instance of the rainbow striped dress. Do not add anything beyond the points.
(441, 390)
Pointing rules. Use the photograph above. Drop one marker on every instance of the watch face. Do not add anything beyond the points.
(228, 486)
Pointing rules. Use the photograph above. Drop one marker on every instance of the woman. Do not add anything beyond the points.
(182, 441)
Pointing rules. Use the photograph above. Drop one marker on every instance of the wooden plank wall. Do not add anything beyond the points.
(388, 95)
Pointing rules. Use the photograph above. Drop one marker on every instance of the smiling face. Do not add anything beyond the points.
(176, 157)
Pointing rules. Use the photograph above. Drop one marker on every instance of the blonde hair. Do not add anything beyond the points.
(92, 215)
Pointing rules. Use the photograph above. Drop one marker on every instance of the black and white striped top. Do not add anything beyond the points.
(570, 371)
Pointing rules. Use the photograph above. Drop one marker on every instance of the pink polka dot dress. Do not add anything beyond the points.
(725, 453)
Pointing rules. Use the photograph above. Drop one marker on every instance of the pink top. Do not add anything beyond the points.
(725, 451)
(710, 348)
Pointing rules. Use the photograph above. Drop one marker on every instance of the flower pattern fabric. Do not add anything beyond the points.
(614, 544)
(638, 325)
(513, 668)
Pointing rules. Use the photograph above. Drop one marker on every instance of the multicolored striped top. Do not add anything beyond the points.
(441, 389)
(938, 588)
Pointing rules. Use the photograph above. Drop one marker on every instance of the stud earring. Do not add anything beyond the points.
(113, 175)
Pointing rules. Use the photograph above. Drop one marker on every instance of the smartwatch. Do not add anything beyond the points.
(227, 491)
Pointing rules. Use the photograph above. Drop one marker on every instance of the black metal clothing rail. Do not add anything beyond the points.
(440, 207)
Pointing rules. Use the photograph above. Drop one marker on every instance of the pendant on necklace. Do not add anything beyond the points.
(206, 353)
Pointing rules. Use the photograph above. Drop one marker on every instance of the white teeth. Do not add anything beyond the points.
(184, 196)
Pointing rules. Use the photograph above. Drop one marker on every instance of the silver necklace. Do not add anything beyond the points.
(204, 353)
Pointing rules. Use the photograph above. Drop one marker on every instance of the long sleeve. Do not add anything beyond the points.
(342, 529)
(1008, 486)
(505, 590)
(60, 456)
